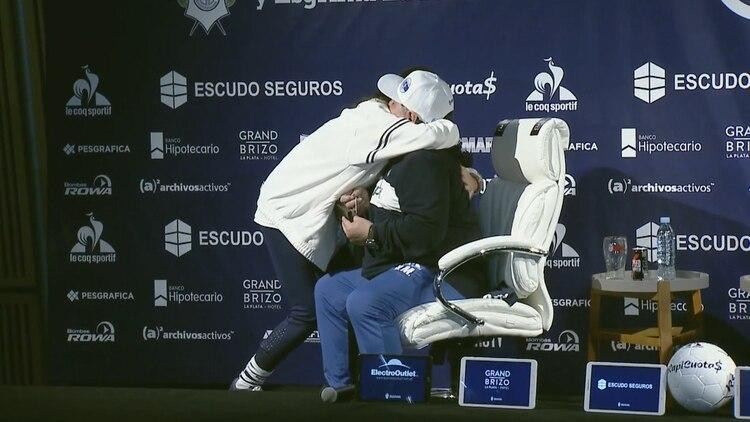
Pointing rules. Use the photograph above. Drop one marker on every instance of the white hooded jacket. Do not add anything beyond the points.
(298, 196)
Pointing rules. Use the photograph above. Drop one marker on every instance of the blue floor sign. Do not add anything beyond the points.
(394, 378)
(742, 392)
(625, 388)
(494, 382)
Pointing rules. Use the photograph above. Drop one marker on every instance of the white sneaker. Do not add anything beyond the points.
(233, 387)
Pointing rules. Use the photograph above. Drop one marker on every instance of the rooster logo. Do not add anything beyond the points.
(89, 238)
(206, 13)
(547, 84)
(84, 91)
(557, 241)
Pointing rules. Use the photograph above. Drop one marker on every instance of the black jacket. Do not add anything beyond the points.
(430, 215)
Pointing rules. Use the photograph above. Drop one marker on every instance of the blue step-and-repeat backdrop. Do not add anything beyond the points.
(165, 116)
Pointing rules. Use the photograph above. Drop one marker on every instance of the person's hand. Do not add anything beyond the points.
(356, 230)
(470, 181)
(358, 200)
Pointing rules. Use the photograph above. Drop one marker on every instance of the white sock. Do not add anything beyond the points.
(253, 376)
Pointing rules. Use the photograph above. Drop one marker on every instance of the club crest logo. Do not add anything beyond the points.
(206, 13)
(405, 85)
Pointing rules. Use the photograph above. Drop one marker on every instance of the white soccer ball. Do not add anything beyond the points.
(700, 377)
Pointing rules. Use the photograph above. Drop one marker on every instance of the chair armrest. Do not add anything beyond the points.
(488, 244)
(469, 251)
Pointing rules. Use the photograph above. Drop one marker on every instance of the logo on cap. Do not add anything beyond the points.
(405, 84)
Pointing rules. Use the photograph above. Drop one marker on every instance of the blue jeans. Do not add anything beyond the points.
(371, 306)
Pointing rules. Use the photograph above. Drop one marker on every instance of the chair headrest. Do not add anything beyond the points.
(530, 150)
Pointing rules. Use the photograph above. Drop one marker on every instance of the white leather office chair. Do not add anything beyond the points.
(519, 212)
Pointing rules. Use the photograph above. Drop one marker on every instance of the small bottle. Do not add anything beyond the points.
(665, 250)
(638, 263)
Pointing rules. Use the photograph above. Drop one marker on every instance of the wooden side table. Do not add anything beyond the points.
(664, 335)
(745, 283)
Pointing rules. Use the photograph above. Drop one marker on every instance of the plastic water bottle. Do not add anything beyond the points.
(665, 250)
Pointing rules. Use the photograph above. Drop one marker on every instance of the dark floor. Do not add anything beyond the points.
(52, 404)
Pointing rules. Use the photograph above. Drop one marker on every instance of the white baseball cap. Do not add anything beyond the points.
(421, 92)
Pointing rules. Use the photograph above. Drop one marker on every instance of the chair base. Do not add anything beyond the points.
(450, 352)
